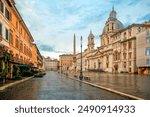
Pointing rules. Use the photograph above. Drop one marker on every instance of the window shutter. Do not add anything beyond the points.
(0, 29)
(7, 35)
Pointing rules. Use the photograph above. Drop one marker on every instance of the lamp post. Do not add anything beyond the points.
(81, 74)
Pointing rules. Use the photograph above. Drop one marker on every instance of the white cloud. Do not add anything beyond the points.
(54, 22)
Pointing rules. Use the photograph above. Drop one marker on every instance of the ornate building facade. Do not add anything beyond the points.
(118, 50)
(87, 52)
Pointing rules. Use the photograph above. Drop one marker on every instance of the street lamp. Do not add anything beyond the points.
(81, 74)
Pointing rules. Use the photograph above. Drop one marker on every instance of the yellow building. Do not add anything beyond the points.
(16, 39)
(20, 38)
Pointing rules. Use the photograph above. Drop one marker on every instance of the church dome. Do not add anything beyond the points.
(118, 24)
(112, 24)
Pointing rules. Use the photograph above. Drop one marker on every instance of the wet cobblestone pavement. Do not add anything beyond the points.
(137, 85)
(53, 86)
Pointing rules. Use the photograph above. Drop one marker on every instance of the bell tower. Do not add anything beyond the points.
(91, 41)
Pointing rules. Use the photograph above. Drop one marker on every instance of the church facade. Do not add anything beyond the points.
(117, 52)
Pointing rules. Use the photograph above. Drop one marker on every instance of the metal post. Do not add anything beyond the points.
(81, 74)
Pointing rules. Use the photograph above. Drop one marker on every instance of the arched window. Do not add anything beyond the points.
(112, 26)
(99, 64)
(108, 27)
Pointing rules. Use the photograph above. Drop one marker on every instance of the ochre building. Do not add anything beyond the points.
(16, 42)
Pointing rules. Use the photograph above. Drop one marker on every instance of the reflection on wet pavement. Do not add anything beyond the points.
(137, 85)
(53, 86)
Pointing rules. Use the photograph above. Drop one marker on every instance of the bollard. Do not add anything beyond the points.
(86, 78)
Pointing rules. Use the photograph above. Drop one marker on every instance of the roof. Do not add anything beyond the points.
(132, 25)
(112, 19)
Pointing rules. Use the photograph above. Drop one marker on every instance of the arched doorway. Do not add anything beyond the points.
(116, 68)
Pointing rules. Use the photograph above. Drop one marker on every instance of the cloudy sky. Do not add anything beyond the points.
(54, 22)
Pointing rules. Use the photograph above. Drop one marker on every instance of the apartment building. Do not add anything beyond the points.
(143, 52)
(65, 61)
(16, 41)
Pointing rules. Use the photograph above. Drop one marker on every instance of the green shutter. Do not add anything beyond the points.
(0, 29)
(7, 34)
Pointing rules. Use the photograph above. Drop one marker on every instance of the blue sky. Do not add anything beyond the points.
(54, 22)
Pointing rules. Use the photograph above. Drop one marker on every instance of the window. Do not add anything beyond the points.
(16, 25)
(99, 64)
(124, 55)
(148, 62)
(130, 45)
(108, 40)
(7, 34)
(17, 57)
(125, 35)
(27, 50)
(130, 55)
(21, 30)
(24, 35)
(107, 60)
(17, 42)
(94, 65)
(130, 33)
(112, 26)
(0, 30)
(30, 53)
(129, 63)
(124, 46)
(147, 52)
(11, 37)
(148, 40)
(129, 70)
(107, 27)
(139, 29)
(148, 32)
(7, 14)
(1, 6)
(21, 46)
(124, 65)
(24, 49)
(118, 56)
